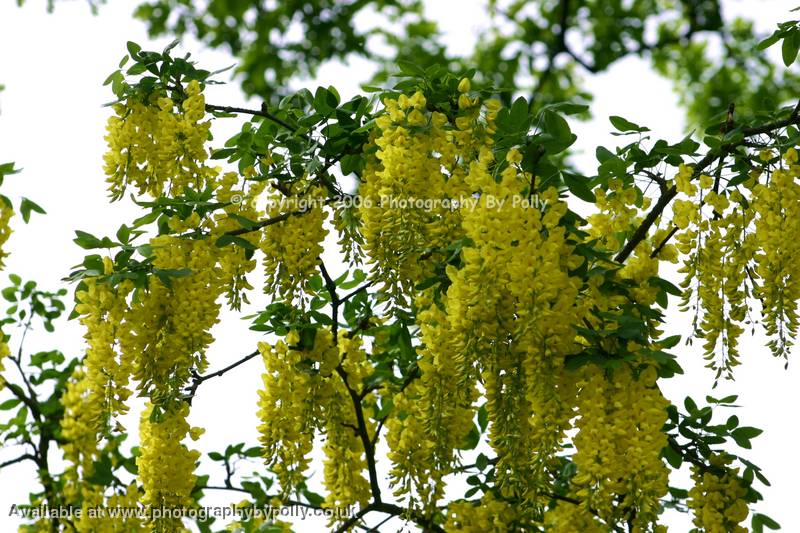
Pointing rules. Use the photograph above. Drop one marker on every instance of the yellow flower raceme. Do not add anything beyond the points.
(292, 247)
(437, 412)
(717, 498)
(567, 517)
(411, 185)
(103, 310)
(166, 466)
(6, 212)
(489, 516)
(167, 329)
(510, 309)
(290, 405)
(620, 474)
(717, 245)
(778, 206)
(158, 146)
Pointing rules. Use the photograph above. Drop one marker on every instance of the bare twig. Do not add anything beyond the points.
(197, 379)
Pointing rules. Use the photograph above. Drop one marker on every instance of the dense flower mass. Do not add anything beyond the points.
(6, 212)
(620, 474)
(292, 247)
(156, 149)
(419, 156)
(497, 334)
(717, 498)
(291, 403)
(166, 465)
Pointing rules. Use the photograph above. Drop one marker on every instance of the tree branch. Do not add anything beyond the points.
(197, 379)
(211, 108)
(267, 222)
(23, 457)
(667, 196)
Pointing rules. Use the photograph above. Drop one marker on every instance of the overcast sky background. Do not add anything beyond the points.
(52, 124)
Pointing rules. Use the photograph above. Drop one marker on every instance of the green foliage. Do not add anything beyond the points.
(521, 41)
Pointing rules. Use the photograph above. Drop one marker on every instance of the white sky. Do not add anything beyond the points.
(52, 125)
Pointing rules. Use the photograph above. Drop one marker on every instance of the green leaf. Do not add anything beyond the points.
(602, 153)
(769, 41)
(123, 233)
(481, 462)
(9, 404)
(223, 153)
(483, 417)
(672, 456)
(625, 125)
(89, 241)
(791, 44)
(744, 434)
(134, 49)
(254, 451)
(225, 240)
(472, 439)
(313, 498)
(760, 520)
(670, 342)
(578, 185)
(26, 206)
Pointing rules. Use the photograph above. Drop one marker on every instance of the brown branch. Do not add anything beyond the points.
(197, 379)
(350, 522)
(21, 458)
(369, 449)
(211, 108)
(362, 288)
(267, 222)
(664, 242)
(392, 510)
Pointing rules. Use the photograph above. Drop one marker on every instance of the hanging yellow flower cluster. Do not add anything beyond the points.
(717, 498)
(566, 517)
(718, 250)
(156, 149)
(233, 263)
(289, 404)
(6, 212)
(437, 411)
(303, 393)
(166, 466)
(616, 213)
(490, 514)
(620, 474)
(414, 183)
(81, 449)
(169, 327)
(777, 227)
(159, 336)
(108, 371)
(345, 463)
(292, 247)
(510, 309)
(738, 247)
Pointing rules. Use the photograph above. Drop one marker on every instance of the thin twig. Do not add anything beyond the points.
(211, 108)
(197, 379)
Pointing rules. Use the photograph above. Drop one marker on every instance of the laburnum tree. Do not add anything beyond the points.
(495, 338)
